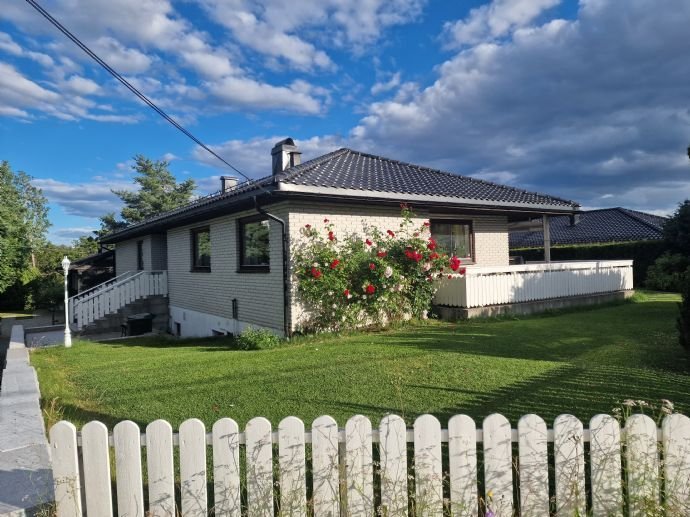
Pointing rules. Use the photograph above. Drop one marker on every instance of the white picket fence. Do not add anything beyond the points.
(108, 297)
(483, 286)
(346, 480)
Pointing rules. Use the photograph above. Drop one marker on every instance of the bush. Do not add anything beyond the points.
(364, 280)
(257, 339)
(666, 274)
(642, 253)
(684, 316)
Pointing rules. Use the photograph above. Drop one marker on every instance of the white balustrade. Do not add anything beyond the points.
(483, 286)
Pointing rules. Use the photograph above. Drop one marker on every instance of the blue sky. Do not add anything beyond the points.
(585, 100)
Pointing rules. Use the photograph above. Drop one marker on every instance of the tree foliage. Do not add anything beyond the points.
(23, 225)
(158, 192)
(677, 230)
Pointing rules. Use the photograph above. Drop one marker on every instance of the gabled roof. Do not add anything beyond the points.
(352, 174)
(595, 226)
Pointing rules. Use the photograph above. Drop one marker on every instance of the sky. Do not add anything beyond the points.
(587, 100)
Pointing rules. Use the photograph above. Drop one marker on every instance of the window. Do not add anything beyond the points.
(455, 237)
(201, 249)
(254, 244)
(140, 255)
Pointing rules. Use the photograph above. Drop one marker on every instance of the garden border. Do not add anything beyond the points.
(26, 481)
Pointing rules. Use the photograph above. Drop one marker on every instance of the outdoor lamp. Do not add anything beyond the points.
(68, 335)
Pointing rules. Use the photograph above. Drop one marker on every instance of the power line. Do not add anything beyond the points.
(131, 88)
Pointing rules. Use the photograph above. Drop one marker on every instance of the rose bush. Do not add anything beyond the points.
(350, 281)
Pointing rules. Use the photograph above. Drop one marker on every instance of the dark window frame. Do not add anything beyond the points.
(140, 255)
(250, 268)
(468, 222)
(194, 232)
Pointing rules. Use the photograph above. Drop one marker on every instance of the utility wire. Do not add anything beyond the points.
(131, 88)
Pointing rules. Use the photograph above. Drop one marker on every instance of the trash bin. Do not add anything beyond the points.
(138, 324)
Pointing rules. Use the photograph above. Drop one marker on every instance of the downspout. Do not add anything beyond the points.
(286, 298)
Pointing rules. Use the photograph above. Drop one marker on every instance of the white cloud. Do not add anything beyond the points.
(574, 108)
(494, 20)
(133, 36)
(385, 86)
(237, 92)
(17, 93)
(253, 157)
(87, 199)
(8, 45)
(81, 85)
(281, 30)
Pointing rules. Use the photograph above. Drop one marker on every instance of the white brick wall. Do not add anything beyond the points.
(490, 232)
(259, 295)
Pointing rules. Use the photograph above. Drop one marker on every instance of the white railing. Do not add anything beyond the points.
(107, 298)
(483, 286)
(347, 478)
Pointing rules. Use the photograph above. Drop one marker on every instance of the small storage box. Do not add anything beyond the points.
(138, 324)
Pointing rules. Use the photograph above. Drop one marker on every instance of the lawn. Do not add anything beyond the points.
(582, 362)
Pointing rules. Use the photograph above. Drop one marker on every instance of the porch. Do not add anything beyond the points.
(535, 287)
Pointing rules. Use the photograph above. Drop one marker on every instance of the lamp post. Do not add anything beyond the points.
(68, 335)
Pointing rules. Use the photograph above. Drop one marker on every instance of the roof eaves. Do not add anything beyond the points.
(428, 198)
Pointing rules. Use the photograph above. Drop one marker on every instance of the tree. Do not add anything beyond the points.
(677, 230)
(23, 225)
(158, 192)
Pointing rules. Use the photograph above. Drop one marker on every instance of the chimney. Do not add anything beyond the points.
(574, 219)
(285, 155)
(227, 183)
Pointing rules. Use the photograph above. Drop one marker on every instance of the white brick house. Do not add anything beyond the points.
(227, 255)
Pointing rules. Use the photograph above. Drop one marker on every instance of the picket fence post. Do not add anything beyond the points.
(344, 480)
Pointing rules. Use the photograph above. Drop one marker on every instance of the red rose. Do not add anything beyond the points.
(372, 266)
(450, 276)
(390, 233)
(307, 226)
(346, 293)
(334, 264)
(427, 223)
(371, 289)
(368, 241)
(331, 236)
(462, 270)
(434, 256)
(381, 254)
(454, 263)
(315, 273)
(432, 244)
(325, 220)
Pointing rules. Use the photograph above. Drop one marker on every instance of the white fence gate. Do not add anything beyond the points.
(108, 297)
(424, 471)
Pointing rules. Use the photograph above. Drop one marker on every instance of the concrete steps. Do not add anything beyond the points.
(156, 305)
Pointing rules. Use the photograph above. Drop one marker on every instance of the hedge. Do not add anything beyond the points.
(643, 253)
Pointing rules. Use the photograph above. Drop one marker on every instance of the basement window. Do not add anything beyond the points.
(254, 244)
(201, 249)
(454, 237)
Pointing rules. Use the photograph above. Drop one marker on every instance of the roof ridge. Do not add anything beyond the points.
(295, 171)
(454, 175)
(634, 215)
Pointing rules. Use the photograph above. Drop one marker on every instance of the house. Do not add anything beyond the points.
(91, 271)
(223, 261)
(594, 227)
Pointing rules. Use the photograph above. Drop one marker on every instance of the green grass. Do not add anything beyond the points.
(582, 362)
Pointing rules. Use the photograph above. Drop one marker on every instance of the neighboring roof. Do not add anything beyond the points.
(595, 226)
(348, 173)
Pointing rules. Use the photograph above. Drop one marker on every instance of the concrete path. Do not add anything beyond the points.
(26, 480)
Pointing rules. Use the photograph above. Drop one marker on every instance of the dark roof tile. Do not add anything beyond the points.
(595, 226)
